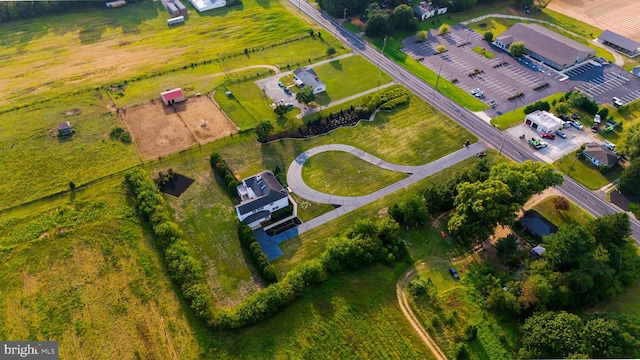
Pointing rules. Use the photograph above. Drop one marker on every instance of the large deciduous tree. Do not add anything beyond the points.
(552, 336)
(480, 206)
(305, 95)
(517, 49)
(403, 18)
(630, 144)
(263, 130)
(630, 179)
(378, 24)
(526, 179)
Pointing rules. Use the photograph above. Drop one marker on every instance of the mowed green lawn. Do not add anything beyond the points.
(425, 135)
(37, 163)
(348, 76)
(585, 173)
(574, 216)
(86, 274)
(340, 173)
(94, 47)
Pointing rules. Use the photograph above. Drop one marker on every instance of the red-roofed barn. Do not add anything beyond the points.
(172, 96)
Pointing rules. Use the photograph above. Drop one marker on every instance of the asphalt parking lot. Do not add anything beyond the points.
(270, 88)
(504, 76)
(558, 147)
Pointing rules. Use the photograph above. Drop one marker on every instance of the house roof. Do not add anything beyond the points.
(266, 189)
(547, 43)
(605, 156)
(172, 94)
(619, 40)
(308, 77)
(64, 126)
(423, 8)
(636, 70)
(539, 250)
(505, 39)
(257, 216)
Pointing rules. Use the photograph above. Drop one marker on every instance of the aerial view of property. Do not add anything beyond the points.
(322, 179)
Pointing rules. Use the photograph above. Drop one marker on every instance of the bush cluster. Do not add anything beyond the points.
(393, 103)
(221, 168)
(184, 269)
(388, 99)
(248, 241)
(538, 105)
(118, 133)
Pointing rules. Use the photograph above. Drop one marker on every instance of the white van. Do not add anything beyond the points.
(616, 102)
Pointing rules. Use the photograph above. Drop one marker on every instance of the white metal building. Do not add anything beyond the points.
(543, 122)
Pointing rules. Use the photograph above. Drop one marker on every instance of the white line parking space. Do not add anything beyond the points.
(603, 83)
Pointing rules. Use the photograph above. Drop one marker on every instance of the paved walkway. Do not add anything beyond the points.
(349, 203)
(618, 59)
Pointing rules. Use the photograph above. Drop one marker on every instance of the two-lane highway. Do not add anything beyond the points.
(515, 150)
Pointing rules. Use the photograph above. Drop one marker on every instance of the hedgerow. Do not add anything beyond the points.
(248, 241)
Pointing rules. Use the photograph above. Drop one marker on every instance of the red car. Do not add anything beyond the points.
(549, 136)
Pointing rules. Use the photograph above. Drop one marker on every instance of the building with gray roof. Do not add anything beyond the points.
(545, 45)
(260, 195)
(619, 43)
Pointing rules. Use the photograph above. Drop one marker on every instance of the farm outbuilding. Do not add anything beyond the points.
(115, 4)
(183, 9)
(64, 128)
(620, 43)
(175, 20)
(172, 9)
(173, 96)
(204, 5)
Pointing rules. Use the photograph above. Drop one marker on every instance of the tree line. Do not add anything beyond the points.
(16, 10)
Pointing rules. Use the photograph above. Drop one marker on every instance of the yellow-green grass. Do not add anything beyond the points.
(496, 25)
(392, 51)
(341, 173)
(86, 274)
(454, 308)
(38, 163)
(351, 316)
(94, 47)
(207, 216)
(312, 243)
(484, 52)
(574, 216)
(348, 76)
(582, 171)
(515, 117)
(629, 64)
(308, 210)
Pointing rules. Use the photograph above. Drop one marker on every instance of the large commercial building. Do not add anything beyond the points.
(545, 45)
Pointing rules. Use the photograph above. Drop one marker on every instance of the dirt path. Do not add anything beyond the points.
(401, 292)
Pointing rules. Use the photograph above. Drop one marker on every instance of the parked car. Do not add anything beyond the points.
(561, 134)
(289, 105)
(549, 136)
(454, 273)
(616, 102)
(287, 90)
(608, 145)
(577, 125)
(537, 144)
(575, 116)
(564, 118)
(477, 93)
(280, 84)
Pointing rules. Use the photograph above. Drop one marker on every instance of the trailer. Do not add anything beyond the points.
(175, 20)
(183, 9)
(172, 9)
(116, 4)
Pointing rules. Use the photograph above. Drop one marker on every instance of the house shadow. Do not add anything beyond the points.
(174, 108)
(336, 64)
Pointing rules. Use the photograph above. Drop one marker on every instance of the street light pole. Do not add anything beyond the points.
(379, 60)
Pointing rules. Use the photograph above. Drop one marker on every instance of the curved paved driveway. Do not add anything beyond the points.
(349, 203)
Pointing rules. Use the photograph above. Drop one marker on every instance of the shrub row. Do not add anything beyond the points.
(391, 104)
(538, 105)
(248, 241)
(184, 269)
(393, 93)
(221, 168)
(366, 243)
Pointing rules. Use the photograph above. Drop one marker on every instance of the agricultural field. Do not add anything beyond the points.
(85, 273)
(97, 47)
(36, 162)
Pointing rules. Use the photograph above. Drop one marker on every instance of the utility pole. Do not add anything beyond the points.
(438, 79)
(345, 14)
(380, 59)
